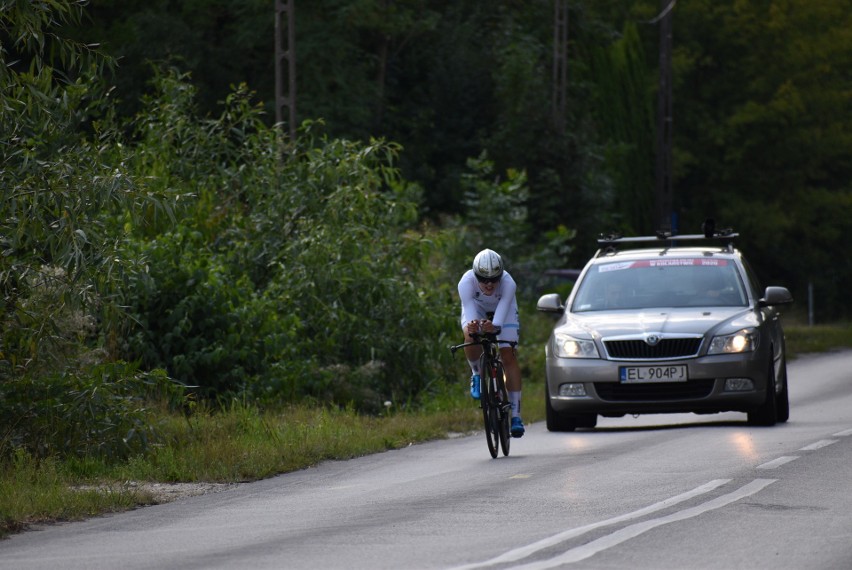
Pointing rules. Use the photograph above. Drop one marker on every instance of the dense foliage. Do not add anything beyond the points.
(238, 263)
(159, 233)
(64, 196)
(302, 275)
(765, 138)
(762, 107)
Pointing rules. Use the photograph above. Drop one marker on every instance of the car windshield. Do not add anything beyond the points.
(667, 282)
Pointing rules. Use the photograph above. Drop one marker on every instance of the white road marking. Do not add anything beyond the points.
(525, 551)
(617, 537)
(819, 444)
(587, 550)
(778, 462)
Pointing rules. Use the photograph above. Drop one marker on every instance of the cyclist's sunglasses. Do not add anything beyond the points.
(488, 279)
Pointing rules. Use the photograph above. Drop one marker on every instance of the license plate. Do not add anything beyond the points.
(639, 374)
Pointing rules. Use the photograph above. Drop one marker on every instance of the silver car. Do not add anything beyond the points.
(666, 325)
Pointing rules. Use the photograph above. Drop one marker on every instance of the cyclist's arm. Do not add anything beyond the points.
(469, 308)
(508, 289)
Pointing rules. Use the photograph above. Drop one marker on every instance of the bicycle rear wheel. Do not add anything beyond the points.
(490, 413)
(504, 417)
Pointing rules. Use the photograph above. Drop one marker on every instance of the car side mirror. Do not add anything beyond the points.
(550, 303)
(775, 296)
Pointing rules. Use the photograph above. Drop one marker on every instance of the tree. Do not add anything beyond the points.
(62, 189)
(67, 195)
(764, 141)
(625, 117)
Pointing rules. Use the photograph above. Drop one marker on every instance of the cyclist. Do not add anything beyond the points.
(488, 304)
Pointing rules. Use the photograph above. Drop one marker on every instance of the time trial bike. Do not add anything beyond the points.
(494, 397)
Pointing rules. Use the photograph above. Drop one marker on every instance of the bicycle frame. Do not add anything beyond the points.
(494, 398)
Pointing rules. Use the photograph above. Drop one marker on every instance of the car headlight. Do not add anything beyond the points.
(741, 341)
(566, 346)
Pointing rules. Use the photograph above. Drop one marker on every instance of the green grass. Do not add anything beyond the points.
(242, 443)
(33, 491)
(819, 338)
(234, 445)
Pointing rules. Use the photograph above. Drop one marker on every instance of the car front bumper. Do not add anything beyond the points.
(703, 392)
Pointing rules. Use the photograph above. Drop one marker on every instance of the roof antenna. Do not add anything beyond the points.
(709, 228)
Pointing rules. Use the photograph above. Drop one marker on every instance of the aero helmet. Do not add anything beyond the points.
(487, 264)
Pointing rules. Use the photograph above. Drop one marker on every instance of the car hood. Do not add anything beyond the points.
(668, 322)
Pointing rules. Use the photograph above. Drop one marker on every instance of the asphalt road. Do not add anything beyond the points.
(654, 492)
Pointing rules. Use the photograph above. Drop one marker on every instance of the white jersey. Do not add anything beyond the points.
(502, 303)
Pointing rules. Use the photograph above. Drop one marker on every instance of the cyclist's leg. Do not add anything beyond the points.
(473, 355)
(513, 378)
(513, 383)
(510, 333)
(512, 370)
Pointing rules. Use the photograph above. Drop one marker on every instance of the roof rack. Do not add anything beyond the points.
(667, 237)
(708, 227)
(726, 236)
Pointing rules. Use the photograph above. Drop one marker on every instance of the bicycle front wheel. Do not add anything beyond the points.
(492, 429)
(490, 412)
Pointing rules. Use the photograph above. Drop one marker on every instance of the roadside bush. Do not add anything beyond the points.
(67, 197)
(198, 317)
(301, 276)
(102, 411)
(356, 270)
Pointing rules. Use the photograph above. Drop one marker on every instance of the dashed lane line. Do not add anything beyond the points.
(525, 551)
(778, 462)
(622, 535)
(819, 444)
(587, 550)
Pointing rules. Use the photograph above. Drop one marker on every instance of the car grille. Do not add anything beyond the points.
(691, 390)
(641, 350)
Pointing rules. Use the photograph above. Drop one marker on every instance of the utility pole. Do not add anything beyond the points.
(560, 63)
(664, 120)
(285, 64)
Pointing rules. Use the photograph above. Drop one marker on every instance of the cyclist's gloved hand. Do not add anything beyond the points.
(474, 327)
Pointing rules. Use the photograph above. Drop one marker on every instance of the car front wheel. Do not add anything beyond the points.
(783, 404)
(767, 413)
(562, 422)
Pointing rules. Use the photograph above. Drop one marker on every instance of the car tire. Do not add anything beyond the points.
(767, 413)
(586, 420)
(556, 421)
(560, 422)
(783, 403)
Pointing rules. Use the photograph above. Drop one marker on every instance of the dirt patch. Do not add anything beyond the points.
(148, 493)
(167, 492)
